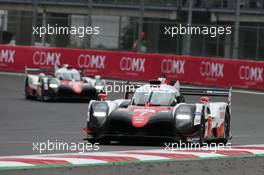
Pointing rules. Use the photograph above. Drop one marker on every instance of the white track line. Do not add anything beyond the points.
(13, 164)
(12, 73)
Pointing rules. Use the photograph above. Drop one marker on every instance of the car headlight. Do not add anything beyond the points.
(99, 114)
(183, 117)
(99, 85)
(53, 85)
(100, 109)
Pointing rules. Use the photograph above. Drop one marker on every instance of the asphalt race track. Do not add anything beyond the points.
(23, 122)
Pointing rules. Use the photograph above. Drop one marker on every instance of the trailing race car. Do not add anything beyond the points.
(65, 82)
(158, 110)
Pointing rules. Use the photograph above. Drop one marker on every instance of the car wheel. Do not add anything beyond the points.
(226, 128)
(92, 141)
(44, 97)
(100, 141)
(27, 96)
(202, 130)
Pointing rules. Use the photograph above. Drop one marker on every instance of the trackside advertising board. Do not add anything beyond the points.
(136, 66)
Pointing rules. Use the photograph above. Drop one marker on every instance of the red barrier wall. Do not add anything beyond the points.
(134, 66)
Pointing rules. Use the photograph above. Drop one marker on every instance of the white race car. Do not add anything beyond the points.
(65, 82)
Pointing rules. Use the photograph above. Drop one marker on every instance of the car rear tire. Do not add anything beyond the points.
(44, 97)
(100, 141)
(27, 96)
(226, 128)
(202, 130)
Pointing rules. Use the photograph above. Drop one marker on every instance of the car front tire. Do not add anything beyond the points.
(27, 96)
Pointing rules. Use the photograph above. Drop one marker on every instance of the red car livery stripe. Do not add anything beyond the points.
(142, 114)
(76, 86)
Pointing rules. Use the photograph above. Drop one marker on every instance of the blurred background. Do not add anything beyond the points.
(122, 22)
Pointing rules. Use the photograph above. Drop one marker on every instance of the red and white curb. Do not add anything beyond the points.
(93, 158)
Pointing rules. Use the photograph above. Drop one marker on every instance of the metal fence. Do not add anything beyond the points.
(224, 4)
(121, 32)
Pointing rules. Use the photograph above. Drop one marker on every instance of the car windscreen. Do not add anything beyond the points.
(99, 83)
(156, 98)
(162, 98)
(69, 75)
(140, 98)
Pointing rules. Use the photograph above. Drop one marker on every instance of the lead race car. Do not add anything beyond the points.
(159, 110)
(63, 83)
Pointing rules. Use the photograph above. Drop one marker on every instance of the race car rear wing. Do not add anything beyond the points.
(207, 92)
(38, 70)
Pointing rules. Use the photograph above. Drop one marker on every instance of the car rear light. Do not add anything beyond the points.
(86, 130)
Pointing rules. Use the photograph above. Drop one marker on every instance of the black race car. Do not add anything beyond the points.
(159, 111)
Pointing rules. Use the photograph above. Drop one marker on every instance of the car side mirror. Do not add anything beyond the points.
(174, 102)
